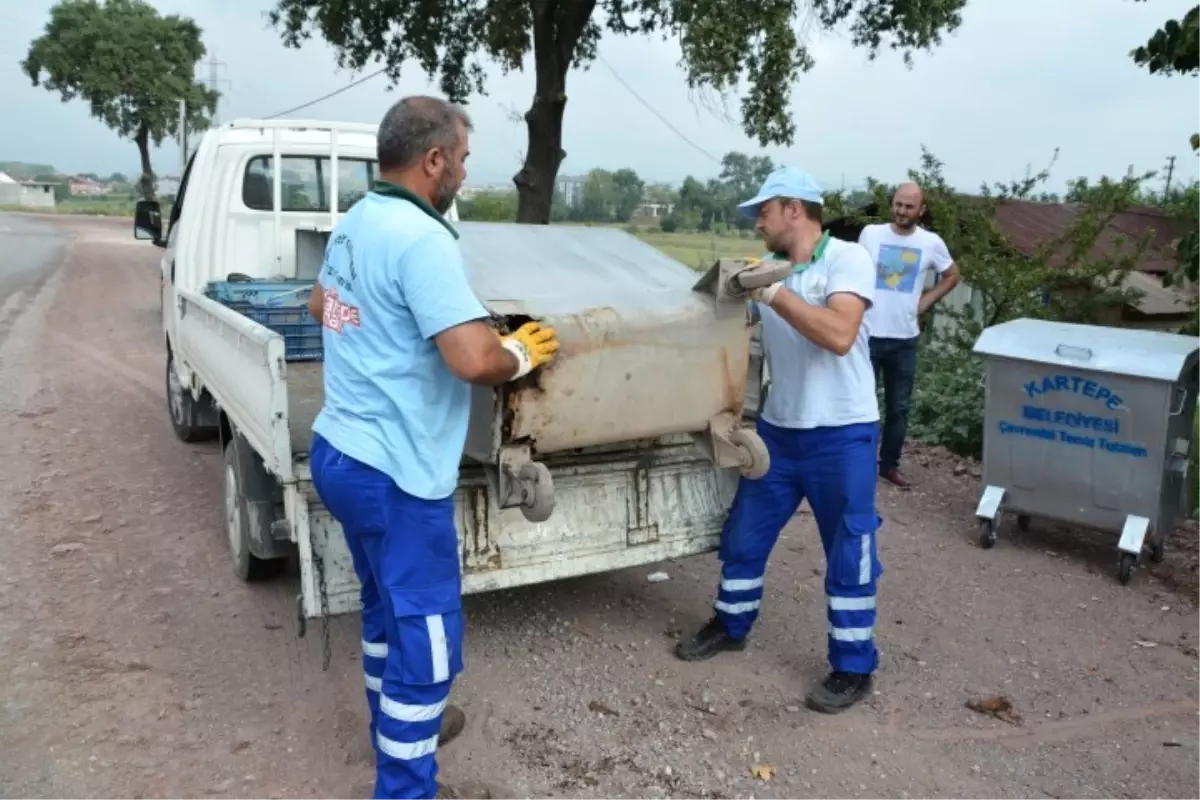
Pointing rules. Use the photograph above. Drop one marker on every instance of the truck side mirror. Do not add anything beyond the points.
(147, 221)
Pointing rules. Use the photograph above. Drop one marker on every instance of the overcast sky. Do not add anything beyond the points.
(1019, 78)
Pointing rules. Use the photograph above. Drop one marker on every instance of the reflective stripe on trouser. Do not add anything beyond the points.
(835, 469)
(405, 553)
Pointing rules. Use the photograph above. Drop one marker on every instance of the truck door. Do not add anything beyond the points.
(170, 310)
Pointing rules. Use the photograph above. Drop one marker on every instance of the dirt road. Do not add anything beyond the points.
(134, 663)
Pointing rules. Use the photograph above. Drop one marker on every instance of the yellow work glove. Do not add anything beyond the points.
(533, 346)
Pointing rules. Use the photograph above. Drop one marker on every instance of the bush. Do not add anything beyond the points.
(947, 400)
(669, 224)
(633, 229)
(720, 229)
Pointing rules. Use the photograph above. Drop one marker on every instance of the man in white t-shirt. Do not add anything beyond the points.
(820, 423)
(903, 253)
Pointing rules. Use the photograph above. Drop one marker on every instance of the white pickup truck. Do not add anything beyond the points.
(601, 463)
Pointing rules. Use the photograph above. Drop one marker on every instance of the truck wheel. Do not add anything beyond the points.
(185, 411)
(237, 526)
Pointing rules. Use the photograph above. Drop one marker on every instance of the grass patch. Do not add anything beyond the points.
(700, 250)
(107, 207)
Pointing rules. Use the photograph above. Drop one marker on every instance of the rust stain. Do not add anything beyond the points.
(735, 388)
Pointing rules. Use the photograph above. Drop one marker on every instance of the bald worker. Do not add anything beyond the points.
(903, 252)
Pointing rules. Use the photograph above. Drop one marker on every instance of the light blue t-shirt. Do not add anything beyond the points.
(394, 278)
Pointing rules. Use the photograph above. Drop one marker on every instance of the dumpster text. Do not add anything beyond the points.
(1075, 384)
(1095, 431)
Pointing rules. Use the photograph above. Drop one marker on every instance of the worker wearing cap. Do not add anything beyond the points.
(820, 426)
(404, 337)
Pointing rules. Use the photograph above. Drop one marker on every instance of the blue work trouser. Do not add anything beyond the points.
(895, 364)
(835, 469)
(405, 552)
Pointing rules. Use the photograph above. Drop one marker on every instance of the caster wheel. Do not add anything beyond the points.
(539, 491)
(756, 460)
(1156, 552)
(987, 533)
(1125, 567)
(1022, 522)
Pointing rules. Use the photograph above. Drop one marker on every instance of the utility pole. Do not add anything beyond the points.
(1170, 173)
(183, 142)
(214, 81)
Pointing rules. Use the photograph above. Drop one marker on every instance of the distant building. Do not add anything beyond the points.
(570, 188)
(650, 210)
(166, 186)
(26, 194)
(86, 187)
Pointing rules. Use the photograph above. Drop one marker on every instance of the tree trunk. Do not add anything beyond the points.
(557, 25)
(147, 181)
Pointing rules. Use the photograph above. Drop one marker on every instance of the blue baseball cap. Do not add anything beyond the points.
(783, 182)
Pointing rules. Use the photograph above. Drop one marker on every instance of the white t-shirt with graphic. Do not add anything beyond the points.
(812, 387)
(901, 263)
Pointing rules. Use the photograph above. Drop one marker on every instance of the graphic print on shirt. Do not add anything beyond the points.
(336, 314)
(896, 268)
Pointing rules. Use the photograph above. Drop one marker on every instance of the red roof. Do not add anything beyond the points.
(1028, 224)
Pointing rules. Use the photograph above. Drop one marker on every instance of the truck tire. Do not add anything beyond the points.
(248, 566)
(186, 414)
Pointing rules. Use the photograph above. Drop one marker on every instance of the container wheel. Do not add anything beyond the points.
(1156, 552)
(756, 459)
(539, 487)
(987, 533)
(1125, 567)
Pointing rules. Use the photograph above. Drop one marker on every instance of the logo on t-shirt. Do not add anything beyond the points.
(337, 314)
(897, 267)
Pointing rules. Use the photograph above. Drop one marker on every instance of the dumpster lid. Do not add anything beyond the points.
(1116, 351)
(537, 270)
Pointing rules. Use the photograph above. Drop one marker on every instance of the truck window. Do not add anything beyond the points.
(306, 182)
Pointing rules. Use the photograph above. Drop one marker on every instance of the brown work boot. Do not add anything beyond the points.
(453, 722)
(894, 477)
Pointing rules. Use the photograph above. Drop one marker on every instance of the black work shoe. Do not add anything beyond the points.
(710, 640)
(838, 691)
(453, 722)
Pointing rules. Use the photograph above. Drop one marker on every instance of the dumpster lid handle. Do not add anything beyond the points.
(1072, 351)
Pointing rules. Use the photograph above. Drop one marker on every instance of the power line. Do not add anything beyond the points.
(351, 85)
(654, 111)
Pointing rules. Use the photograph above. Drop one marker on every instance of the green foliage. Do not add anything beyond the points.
(1173, 49)
(669, 224)
(947, 401)
(489, 206)
(21, 169)
(131, 65)
(722, 44)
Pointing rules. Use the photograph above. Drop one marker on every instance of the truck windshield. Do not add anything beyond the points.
(306, 182)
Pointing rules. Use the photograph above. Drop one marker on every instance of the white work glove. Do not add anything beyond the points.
(766, 294)
(762, 294)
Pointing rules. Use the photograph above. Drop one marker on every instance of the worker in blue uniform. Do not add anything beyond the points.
(820, 426)
(404, 338)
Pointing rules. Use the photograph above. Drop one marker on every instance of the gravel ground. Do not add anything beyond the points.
(137, 665)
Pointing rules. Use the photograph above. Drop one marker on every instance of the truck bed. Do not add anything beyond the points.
(306, 394)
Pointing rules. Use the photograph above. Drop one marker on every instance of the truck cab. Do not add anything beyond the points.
(543, 494)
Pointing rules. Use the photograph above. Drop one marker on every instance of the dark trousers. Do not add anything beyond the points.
(895, 363)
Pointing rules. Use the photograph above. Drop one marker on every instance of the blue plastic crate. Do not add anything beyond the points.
(281, 306)
(273, 294)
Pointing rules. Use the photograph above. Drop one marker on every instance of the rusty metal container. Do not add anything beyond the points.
(643, 355)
